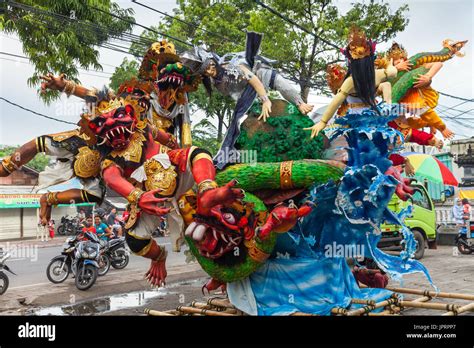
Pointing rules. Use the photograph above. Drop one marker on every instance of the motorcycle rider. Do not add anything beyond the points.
(88, 227)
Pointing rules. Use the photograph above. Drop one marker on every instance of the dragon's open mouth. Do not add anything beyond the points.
(171, 80)
(213, 242)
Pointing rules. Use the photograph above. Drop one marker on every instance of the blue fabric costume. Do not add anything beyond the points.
(308, 273)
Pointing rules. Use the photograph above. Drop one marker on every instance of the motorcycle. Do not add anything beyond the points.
(464, 244)
(85, 265)
(75, 250)
(116, 251)
(60, 266)
(4, 281)
(69, 226)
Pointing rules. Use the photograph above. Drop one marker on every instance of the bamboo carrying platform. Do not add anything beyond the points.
(429, 300)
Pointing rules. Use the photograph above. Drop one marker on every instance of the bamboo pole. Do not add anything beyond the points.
(469, 307)
(202, 305)
(440, 306)
(158, 313)
(339, 311)
(369, 308)
(302, 314)
(360, 311)
(433, 294)
(192, 310)
(381, 314)
(361, 301)
(220, 303)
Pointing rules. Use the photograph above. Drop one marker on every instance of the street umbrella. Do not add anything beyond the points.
(431, 168)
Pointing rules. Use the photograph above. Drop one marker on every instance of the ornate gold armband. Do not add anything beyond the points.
(52, 199)
(9, 165)
(69, 88)
(134, 196)
(200, 156)
(206, 185)
(171, 143)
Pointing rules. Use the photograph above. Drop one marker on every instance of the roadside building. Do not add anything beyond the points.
(19, 205)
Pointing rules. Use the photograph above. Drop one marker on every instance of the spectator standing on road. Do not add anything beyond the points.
(457, 212)
(466, 215)
(42, 231)
(81, 215)
(114, 223)
(111, 217)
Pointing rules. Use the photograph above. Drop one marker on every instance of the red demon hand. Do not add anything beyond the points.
(403, 189)
(224, 195)
(156, 275)
(282, 219)
(151, 204)
(214, 284)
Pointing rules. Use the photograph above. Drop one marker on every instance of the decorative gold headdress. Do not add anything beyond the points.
(106, 106)
(160, 53)
(335, 74)
(358, 46)
(397, 52)
(129, 85)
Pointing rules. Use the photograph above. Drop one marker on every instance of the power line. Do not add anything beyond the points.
(123, 36)
(24, 57)
(286, 19)
(141, 26)
(182, 21)
(13, 38)
(28, 63)
(36, 113)
(456, 97)
(64, 19)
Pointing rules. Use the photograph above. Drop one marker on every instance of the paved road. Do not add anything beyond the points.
(31, 291)
(32, 268)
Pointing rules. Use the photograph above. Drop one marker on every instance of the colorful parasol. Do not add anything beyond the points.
(431, 168)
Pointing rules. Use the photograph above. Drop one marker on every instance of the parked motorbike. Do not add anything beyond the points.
(117, 252)
(4, 281)
(60, 266)
(464, 244)
(69, 226)
(85, 264)
(86, 259)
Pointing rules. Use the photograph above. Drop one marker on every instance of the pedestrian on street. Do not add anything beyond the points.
(42, 231)
(466, 215)
(111, 217)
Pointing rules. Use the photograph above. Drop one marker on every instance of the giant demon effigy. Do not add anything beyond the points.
(268, 229)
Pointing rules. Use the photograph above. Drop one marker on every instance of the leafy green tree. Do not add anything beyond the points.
(127, 70)
(63, 35)
(302, 57)
(39, 162)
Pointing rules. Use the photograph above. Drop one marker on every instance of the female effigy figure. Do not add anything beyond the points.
(244, 76)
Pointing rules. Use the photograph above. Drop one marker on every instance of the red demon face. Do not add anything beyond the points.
(114, 126)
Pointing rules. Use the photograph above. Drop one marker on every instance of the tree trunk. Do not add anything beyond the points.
(305, 92)
(220, 126)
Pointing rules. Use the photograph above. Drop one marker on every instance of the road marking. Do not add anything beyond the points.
(19, 259)
(29, 285)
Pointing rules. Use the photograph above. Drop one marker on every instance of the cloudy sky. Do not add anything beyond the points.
(430, 23)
